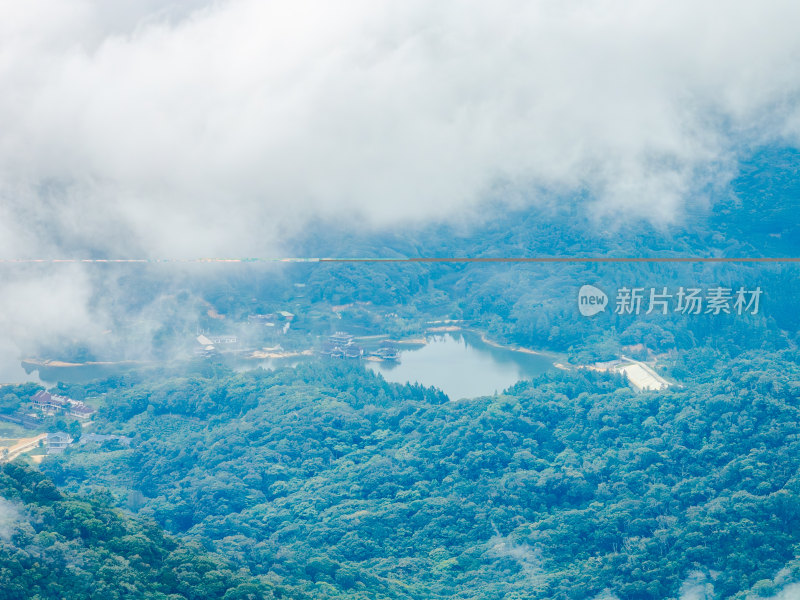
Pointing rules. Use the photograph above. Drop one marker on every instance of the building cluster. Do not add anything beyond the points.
(53, 404)
(341, 345)
(207, 344)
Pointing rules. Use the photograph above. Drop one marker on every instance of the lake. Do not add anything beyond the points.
(463, 366)
(459, 364)
(49, 375)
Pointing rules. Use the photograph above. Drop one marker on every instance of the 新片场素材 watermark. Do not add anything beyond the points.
(663, 300)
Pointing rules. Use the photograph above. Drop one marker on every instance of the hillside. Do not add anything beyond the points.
(63, 546)
(339, 484)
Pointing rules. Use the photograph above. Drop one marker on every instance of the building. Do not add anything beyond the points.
(80, 410)
(341, 339)
(58, 442)
(340, 345)
(51, 404)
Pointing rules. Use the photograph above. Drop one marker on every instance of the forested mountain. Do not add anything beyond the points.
(325, 481)
(399, 300)
(335, 483)
(63, 546)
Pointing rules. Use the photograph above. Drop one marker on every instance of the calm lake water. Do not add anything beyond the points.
(463, 366)
(78, 374)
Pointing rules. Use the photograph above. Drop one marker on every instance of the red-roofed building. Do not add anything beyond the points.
(80, 410)
(51, 404)
(48, 403)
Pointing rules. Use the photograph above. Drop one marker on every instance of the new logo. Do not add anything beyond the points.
(591, 300)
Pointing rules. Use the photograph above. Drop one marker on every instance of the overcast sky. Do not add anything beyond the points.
(197, 128)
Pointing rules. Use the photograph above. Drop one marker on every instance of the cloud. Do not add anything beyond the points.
(790, 592)
(209, 127)
(198, 128)
(697, 586)
(10, 519)
(528, 558)
(45, 306)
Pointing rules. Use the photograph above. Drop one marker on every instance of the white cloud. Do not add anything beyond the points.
(196, 128)
(199, 131)
(42, 306)
(790, 592)
(10, 518)
(697, 586)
